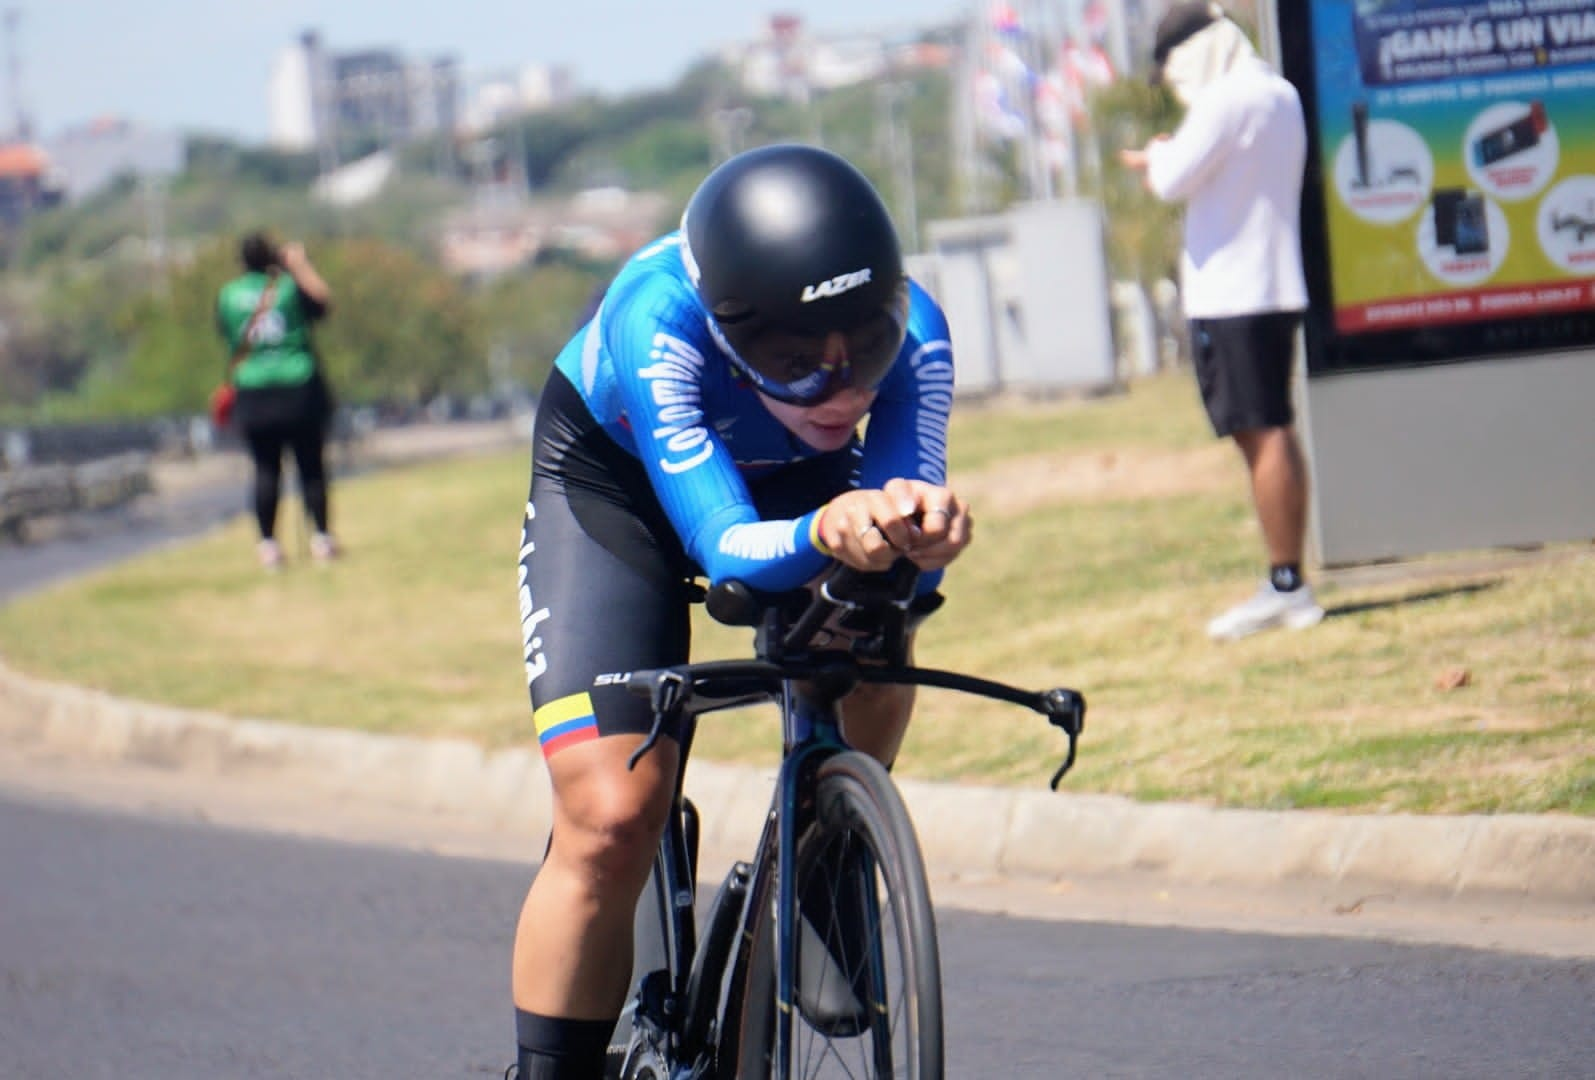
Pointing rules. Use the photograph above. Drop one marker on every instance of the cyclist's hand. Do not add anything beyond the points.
(945, 526)
(867, 529)
(870, 529)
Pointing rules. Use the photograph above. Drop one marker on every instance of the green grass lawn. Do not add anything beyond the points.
(1108, 531)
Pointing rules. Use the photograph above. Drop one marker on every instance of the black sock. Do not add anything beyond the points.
(553, 1048)
(1286, 577)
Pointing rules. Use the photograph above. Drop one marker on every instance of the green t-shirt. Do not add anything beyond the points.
(281, 352)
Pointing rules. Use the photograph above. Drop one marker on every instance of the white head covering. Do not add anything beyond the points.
(1202, 58)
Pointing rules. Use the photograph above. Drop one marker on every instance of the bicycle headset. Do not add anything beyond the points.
(795, 257)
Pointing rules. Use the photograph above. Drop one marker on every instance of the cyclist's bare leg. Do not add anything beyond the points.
(875, 717)
(573, 943)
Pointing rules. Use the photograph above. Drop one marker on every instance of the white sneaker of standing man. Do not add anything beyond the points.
(1267, 609)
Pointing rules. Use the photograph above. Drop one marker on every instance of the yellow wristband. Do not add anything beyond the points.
(814, 532)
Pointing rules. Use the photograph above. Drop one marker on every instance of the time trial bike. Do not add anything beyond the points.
(818, 956)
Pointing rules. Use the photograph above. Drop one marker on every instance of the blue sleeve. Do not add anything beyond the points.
(907, 433)
(659, 374)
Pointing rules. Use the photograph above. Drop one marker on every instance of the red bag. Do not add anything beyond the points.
(222, 400)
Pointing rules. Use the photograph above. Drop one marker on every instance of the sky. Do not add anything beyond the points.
(203, 65)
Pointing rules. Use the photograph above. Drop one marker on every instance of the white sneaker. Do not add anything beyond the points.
(1268, 608)
(270, 555)
(323, 548)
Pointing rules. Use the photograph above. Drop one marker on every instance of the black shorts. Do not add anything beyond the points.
(1243, 366)
(605, 584)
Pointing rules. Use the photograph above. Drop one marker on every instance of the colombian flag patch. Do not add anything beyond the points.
(565, 722)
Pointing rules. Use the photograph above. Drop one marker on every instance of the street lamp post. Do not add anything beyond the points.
(900, 156)
(730, 126)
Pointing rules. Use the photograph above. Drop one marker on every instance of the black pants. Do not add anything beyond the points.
(272, 422)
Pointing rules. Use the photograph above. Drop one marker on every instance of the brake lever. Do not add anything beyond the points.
(1065, 709)
(667, 696)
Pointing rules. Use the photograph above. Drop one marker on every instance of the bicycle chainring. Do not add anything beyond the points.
(644, 1062)
(647, 1063)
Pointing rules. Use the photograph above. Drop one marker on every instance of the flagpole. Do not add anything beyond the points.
(1032, 32)
(965, 145)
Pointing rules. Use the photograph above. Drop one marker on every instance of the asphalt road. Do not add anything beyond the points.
(86, 541)
(141, 947)
(218, 490)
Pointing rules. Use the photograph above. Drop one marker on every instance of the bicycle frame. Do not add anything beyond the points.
(675, 1006)
(811, 732)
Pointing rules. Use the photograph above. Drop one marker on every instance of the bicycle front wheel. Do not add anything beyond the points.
(868, 972)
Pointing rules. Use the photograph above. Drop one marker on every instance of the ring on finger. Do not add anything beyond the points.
(866, 530)
(945, 511)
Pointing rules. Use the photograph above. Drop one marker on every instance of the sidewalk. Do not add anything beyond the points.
(382, 448)
(968, 832)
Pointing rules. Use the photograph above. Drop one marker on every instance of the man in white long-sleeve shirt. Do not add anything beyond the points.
(1236, 161)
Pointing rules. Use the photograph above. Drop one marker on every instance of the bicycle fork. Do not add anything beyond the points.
(812, 959)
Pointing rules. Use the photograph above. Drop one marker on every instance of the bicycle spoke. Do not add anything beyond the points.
(882, 1048)
(867, 993)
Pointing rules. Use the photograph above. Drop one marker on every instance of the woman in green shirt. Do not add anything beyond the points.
(265, 316)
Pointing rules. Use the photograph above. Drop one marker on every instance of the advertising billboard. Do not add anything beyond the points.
(1450, 203)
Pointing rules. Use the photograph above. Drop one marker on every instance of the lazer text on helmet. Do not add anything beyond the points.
(837, 285)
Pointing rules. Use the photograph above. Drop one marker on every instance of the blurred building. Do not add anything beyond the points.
(373, 98)
(28, 182)
(534, 87)
(357, 182)
(495, 236)
(789, 61)
(88, 157)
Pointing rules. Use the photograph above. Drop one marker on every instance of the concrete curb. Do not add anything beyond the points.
(964, 830)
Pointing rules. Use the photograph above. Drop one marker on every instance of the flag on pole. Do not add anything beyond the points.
(1094, 20)
(1005, 20)
(995, 107)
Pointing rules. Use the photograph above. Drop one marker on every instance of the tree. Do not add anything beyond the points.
(176, 357)
(37, 357)
(1143, 231)
(529, 317)
(400, 330)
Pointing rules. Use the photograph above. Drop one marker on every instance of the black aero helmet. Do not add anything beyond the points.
(795, 256)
